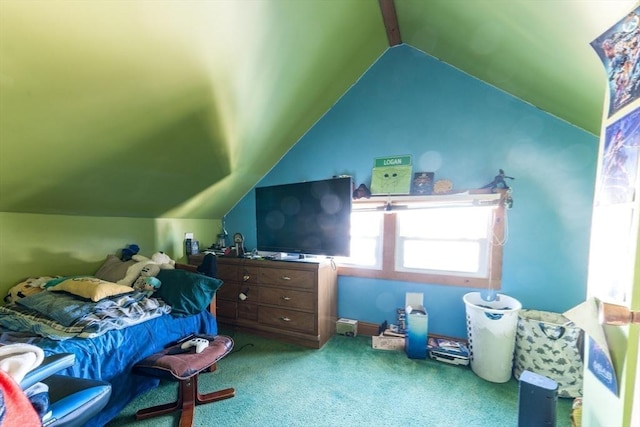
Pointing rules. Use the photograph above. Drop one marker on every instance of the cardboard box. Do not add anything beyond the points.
(382, 342)
(347, 327)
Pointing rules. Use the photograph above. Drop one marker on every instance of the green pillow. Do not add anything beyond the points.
(187, 293)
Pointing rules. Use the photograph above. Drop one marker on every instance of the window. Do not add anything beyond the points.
(454, 242)
(366, 244)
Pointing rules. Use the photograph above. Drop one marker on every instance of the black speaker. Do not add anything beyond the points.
(537, 400)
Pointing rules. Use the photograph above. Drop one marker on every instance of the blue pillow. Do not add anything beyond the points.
(187, 293)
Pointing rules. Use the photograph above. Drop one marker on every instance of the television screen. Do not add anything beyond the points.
(306, 218)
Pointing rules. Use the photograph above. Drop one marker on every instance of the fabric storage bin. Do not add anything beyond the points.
(549, 344)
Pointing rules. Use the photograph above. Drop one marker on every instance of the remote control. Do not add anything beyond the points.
(199, 343)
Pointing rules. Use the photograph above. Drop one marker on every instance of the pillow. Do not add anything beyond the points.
(31, 286)
(187, 293)
(91, 288)
(113, 269)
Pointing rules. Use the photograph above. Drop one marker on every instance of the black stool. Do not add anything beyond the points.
(184, 368)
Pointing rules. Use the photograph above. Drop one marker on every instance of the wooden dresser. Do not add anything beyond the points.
(293, 301)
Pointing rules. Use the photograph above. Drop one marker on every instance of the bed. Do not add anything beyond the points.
(106, 343)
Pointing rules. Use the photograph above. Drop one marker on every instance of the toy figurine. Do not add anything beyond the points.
(361, 192)
(499, 181)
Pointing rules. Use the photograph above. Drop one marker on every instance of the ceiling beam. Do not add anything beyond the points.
(390, 19)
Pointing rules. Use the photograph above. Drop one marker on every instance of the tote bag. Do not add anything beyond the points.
(549, 344)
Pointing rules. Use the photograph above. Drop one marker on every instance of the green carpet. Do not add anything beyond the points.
(346, 383)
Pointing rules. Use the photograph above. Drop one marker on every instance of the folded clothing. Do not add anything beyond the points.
(18, 359)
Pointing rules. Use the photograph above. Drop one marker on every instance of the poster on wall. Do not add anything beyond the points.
(585, 316)
(391, 175)
(601, 366)
(619, 168)
(619, 51)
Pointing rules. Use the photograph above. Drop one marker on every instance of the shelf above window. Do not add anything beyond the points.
(467, 198)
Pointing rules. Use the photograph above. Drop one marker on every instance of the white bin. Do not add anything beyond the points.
(491, 330)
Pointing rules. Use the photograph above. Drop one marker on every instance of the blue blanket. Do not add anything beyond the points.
(61, 316)
(63, 308)
(111, 356)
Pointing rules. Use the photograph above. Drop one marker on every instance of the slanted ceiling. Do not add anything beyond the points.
(148, 108)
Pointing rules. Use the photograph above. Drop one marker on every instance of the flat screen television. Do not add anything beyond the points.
(307, 218)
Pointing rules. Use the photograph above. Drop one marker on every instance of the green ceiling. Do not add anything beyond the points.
(177, 108)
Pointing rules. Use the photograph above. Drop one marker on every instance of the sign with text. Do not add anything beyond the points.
(391, 175)
(601, 367)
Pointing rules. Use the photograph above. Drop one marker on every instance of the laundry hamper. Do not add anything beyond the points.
(491, 331)
(549, 344)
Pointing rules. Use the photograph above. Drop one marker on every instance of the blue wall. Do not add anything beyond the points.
(463, 130)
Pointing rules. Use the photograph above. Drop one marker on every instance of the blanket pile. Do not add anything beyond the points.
(61, 316)
(16, 360)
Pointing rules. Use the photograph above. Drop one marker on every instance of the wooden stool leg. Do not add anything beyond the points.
(165, 408)
(214, 396)
(188, 398)
(188, 390)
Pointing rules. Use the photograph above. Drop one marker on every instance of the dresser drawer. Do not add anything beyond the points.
(287, 319)
(248, 275)
(227, 272)
(295, 278)
(228, 291)
(288, 298)
(247, 311)
(228, 309)
(282, 299)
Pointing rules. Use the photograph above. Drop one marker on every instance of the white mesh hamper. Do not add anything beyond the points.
(491, 330)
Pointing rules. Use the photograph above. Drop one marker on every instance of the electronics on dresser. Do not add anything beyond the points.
(238, 245)
(311, 217)
(192, 247)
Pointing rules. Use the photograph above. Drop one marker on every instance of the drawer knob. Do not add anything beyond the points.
(286, 278)
(285, 319)
(285, 298)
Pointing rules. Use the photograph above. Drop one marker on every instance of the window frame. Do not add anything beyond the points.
(493, 279)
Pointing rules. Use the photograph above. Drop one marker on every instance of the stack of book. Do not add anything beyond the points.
(401, 317)
(392, 332)
(448, 351)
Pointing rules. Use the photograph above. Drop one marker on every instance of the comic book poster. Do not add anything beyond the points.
(422, 183)
(619, 49)
(619, 169)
